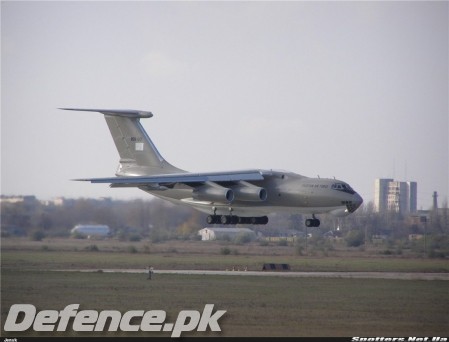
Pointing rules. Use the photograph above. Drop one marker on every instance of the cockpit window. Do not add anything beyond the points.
(343, 187)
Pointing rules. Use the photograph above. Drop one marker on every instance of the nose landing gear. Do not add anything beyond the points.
(314, 222)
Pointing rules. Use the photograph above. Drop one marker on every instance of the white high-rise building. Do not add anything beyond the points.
(381, 194)
(396, 196)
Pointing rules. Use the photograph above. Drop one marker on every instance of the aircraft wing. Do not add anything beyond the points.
(185, 178)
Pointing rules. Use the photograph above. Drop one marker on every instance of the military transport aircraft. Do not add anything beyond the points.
(229, 197)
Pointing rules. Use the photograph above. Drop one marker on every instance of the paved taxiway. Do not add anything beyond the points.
(360, 275)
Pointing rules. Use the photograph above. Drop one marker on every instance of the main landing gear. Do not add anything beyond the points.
(314, 222)
(232, 219)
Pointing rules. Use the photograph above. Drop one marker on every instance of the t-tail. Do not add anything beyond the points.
(138, 155)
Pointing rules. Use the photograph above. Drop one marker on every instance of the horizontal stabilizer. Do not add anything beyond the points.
(129, 113)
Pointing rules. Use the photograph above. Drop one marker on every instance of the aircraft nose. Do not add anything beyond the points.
(356, 202)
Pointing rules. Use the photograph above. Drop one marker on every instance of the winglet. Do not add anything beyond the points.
(129, 113)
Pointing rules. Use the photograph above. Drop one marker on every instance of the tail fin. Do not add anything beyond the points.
(138, 155)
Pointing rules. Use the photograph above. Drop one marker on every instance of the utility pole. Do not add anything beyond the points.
(425, 237)
(306, 239)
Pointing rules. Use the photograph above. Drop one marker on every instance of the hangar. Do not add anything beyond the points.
(224, 233)
(90, 230)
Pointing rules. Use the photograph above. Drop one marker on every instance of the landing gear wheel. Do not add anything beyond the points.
(313, 222)
(212, 219)
(232, 219)
(225, 219)
(241, 220)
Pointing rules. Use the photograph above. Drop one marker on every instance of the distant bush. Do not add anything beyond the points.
(243, 238)
(135, 238)
(121, 236)
(225, 251)
(146, 249)
(92, 248)
(439, 242)
(299, 250)
(355, 238)
(438, 246)
(433, 254)
(132, 249)
(37, 235)
(283, 243)
(159, 235)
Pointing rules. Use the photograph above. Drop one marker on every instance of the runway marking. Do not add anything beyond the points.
(359, 275)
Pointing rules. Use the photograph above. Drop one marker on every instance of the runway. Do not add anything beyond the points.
(287, 274)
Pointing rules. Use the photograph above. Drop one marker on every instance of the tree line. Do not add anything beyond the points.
(160, 220)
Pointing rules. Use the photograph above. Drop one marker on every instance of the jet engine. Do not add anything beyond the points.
(248, 192)
(213, 193)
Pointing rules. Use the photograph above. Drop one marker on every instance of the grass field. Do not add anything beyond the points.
(256, 306)
(78, 254)
(29, 260)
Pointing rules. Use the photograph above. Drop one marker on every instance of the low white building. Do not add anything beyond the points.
(90, 230)
(221, 233)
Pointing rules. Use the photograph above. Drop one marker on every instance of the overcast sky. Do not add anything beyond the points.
(355, 90)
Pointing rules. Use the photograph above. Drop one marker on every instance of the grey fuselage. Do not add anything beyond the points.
(286, 192)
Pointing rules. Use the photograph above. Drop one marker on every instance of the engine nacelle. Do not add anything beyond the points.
(213, 193)
(250, 193)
